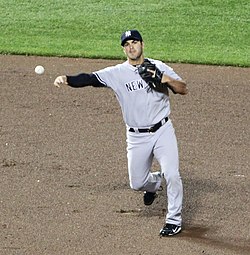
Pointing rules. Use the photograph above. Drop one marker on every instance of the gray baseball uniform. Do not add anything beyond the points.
(142, 109)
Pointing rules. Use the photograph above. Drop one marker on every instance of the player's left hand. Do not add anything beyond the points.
(152, 76)
(149, 72)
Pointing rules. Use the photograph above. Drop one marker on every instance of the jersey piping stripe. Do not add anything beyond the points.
(100, 80)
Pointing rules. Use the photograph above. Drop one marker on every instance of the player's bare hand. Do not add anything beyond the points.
(60, 80)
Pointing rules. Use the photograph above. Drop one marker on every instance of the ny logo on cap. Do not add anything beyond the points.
(128, 33)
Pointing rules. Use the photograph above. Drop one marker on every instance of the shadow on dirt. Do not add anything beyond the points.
(200, 234)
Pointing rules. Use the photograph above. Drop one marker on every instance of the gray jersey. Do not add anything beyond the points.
(140, 108)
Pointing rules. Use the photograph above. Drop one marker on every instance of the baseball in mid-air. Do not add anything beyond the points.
(39, 69)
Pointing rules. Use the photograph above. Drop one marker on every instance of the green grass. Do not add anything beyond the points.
(187, 31)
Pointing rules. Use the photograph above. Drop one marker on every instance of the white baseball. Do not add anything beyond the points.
(39, 69)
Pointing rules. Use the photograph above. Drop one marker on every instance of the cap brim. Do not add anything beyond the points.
(130, 38)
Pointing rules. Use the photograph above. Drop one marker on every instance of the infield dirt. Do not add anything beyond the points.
(64, 184)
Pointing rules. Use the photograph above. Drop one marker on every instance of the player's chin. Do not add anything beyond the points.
(133, 57)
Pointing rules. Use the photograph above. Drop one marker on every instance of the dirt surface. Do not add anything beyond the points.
(64, 184)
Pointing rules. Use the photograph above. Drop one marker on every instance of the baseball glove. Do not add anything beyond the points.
(152, 76)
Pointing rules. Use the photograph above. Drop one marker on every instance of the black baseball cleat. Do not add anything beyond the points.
(170, 230)
(149, 197)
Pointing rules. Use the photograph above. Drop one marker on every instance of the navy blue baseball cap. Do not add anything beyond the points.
(130, 35)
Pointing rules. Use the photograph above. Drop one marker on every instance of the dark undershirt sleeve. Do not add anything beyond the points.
(83, 80)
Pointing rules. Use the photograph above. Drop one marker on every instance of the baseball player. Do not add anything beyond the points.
(142, 87)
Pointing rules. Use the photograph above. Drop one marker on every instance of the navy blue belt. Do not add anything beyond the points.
(151, 129)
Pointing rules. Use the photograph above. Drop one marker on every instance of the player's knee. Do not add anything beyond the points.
(173, 178)
(136, 185)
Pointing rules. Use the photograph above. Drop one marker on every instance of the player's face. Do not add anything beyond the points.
(133, 50)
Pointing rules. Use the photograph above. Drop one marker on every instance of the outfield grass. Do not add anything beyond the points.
(187, 31)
